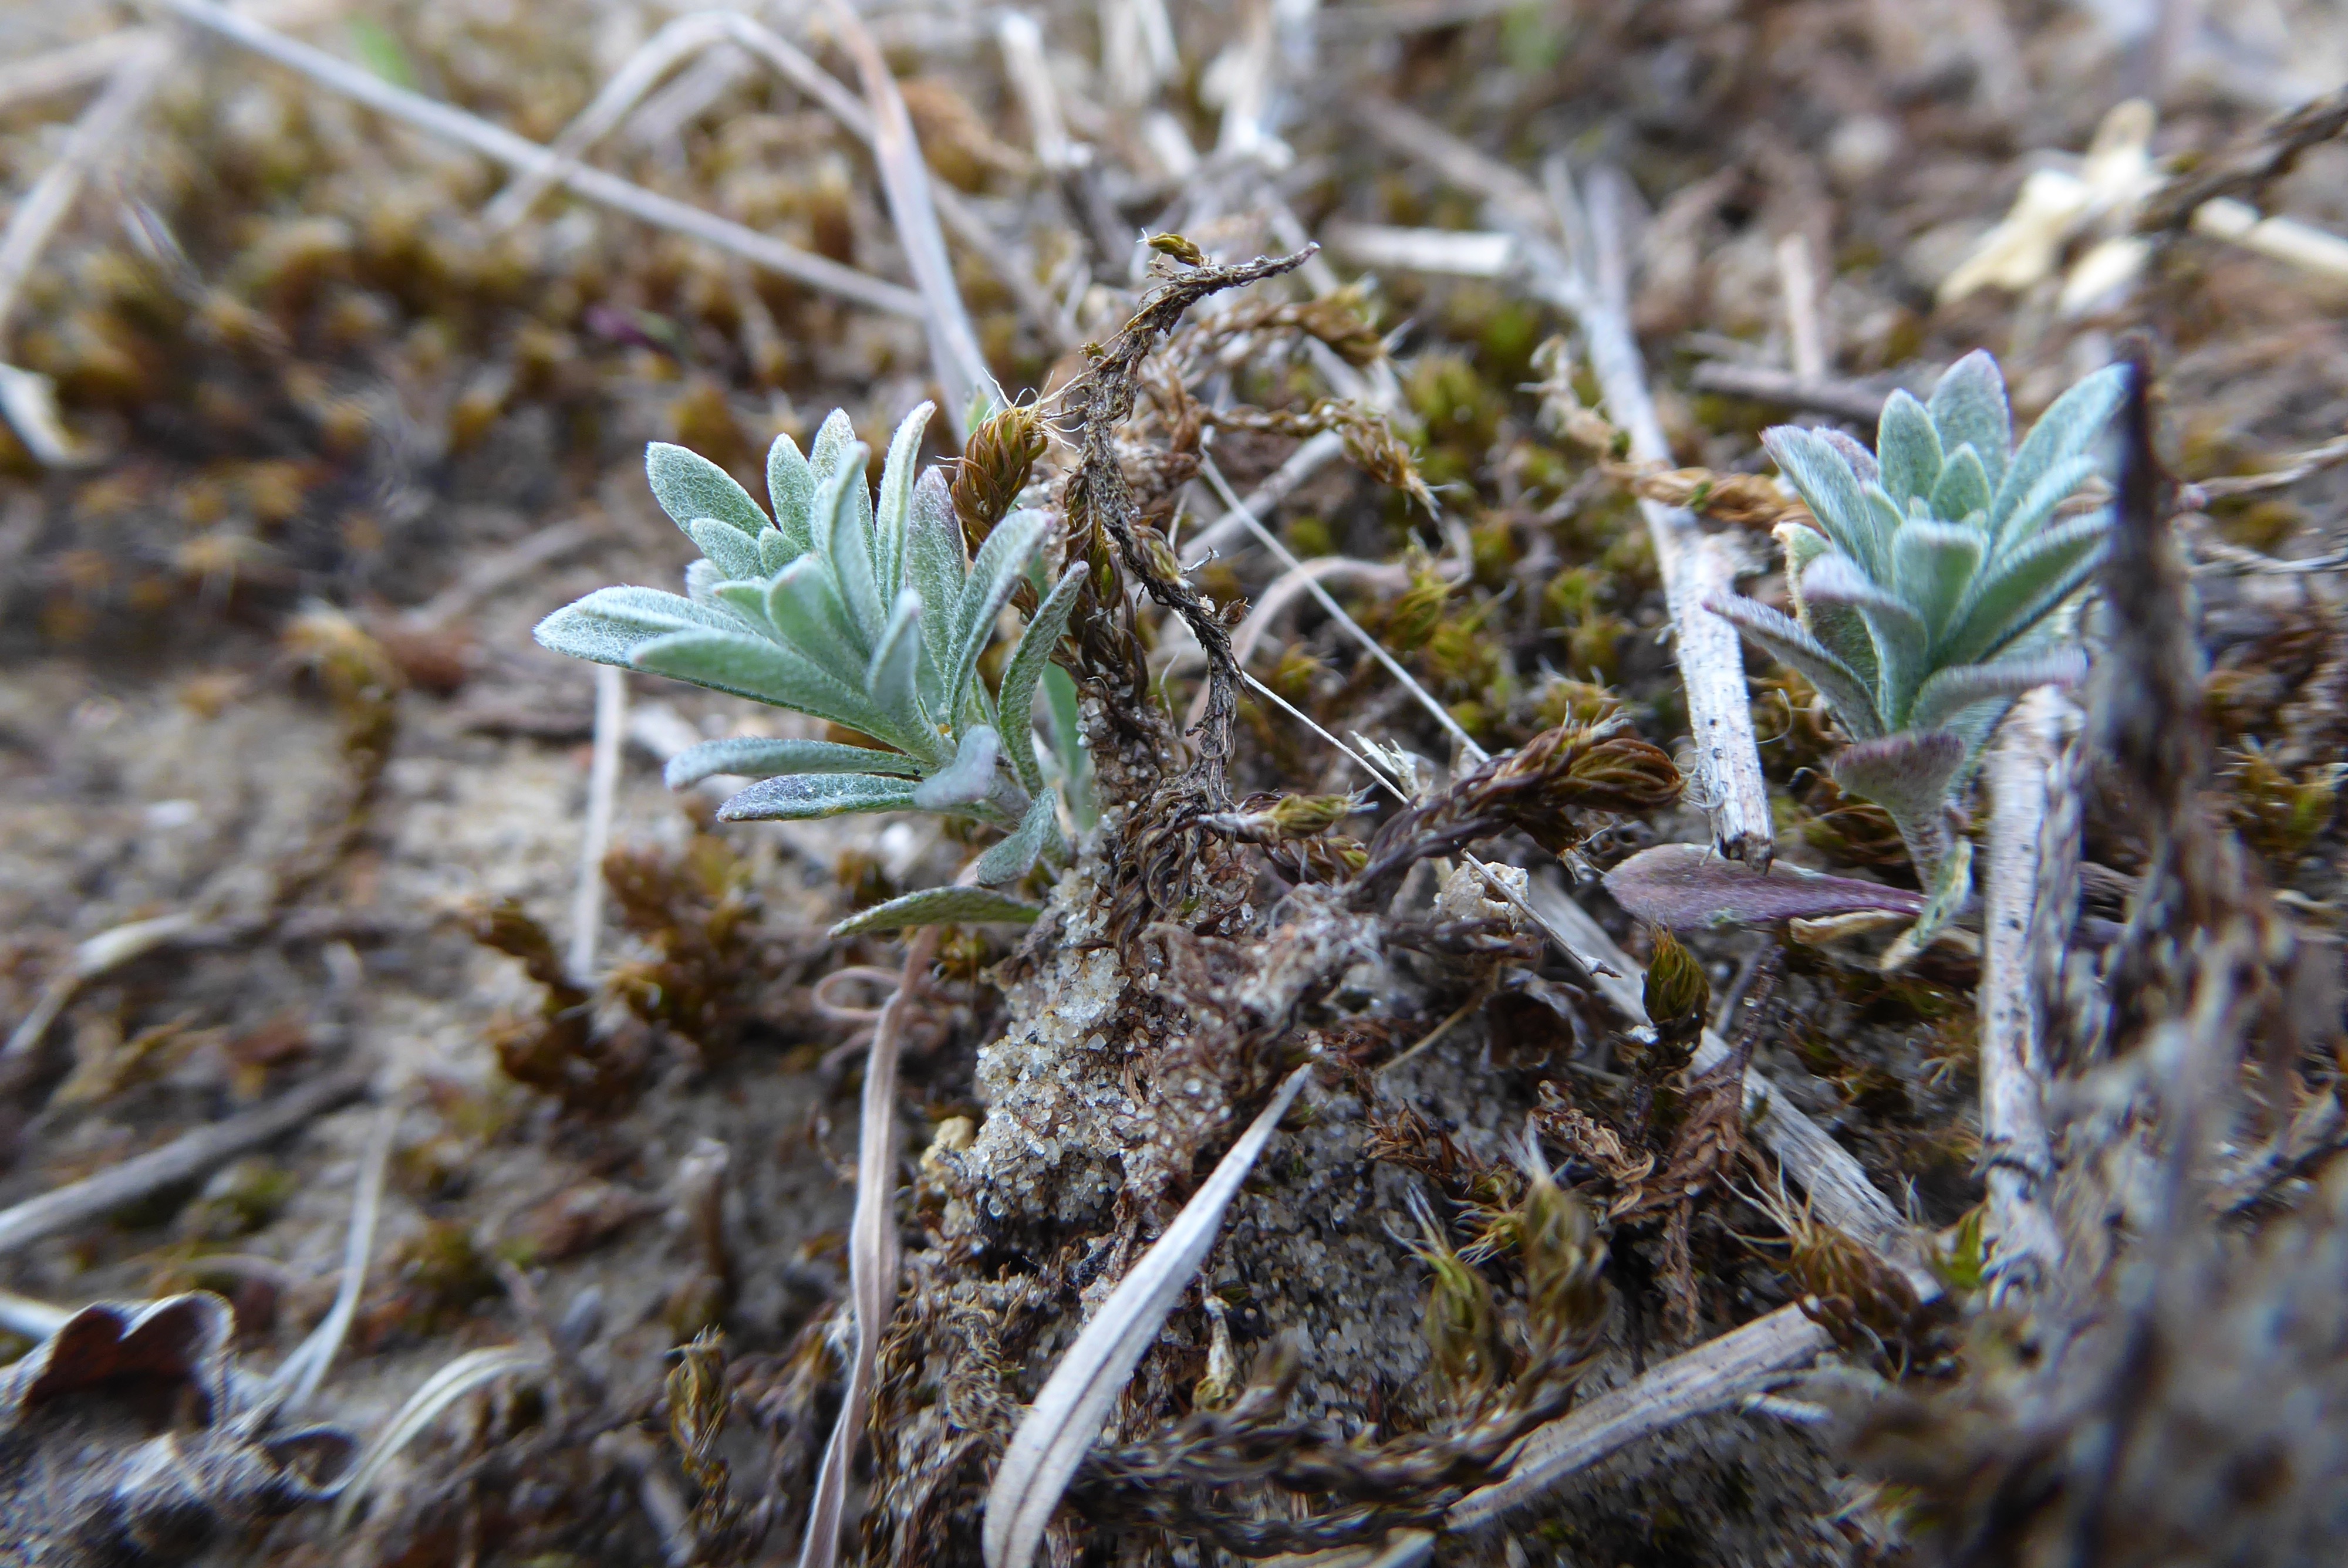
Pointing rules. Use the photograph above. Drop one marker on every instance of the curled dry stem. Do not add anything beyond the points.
(1098, 502)
(872, 1253)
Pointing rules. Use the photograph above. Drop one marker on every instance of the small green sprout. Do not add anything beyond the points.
(1940, 584)
(870, 615)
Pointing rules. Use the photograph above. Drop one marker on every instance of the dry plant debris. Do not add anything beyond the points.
(1262, 975)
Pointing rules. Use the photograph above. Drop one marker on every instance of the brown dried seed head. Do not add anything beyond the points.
(995, 468)
(1625, 773)
(1678, 995)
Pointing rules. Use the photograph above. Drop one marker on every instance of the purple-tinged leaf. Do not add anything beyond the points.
(1686, 887)
(1855, 453)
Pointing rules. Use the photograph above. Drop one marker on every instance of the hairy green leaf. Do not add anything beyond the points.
(895, 675)
(845, 541)
(689, 486)
(805, 610)
(1969, 408)
(896, 496)
(836, 450)
(735, 553)
(1015, 855)
(1934, 565)
(1853, 451)
(746, 600)
(1825, 482)
(760, 757)
(2066, 430)
(936, 563)
(1851, 699)
(1842, 632)
(2029, 514)
(1963, 488)
(790, 486)
(940, 907)
(1901, 641)
(1002, 561)
(2014, 589)
(1949, 692)
(765, 671)
(969, 778)
(1026, 669)
(1907, 774)
(610, 624)
(1908, 448)
(796, 797)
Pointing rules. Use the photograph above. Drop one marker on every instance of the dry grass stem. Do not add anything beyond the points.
(871, 1252)
(185, 1157)
(299, 1375)
(503, 147)
(595, 840)
(1712, 1376)
(954, 346)
(2026, 1250)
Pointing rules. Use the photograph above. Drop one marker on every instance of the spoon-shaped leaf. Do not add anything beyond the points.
(759, 756)
(940, 907)
(796, 797)
(689, 486)
(1686, 887)
(969, 778)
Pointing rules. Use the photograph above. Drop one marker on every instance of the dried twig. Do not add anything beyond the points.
(93, 956)
(1595, 289)
(1764, 383)
(1712, 1377)
(184, 1157)
(1317, 453)
(299, 1375)
(1066, 1415)
(690, 35)
(1694, 567)
(2026, 1250)
(872, 1253)
(954, 346)
(503, 147)
(2246, 172)
(1798, 279)
(2287, 471)
(603, 795)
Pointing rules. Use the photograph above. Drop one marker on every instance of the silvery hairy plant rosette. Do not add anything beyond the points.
(1940, 583)
(869, 614)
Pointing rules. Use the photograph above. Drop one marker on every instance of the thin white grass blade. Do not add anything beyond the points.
(306, 1368)
(961, 365)
(442, 1389)
(871, 1254)
(1067, 1415)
